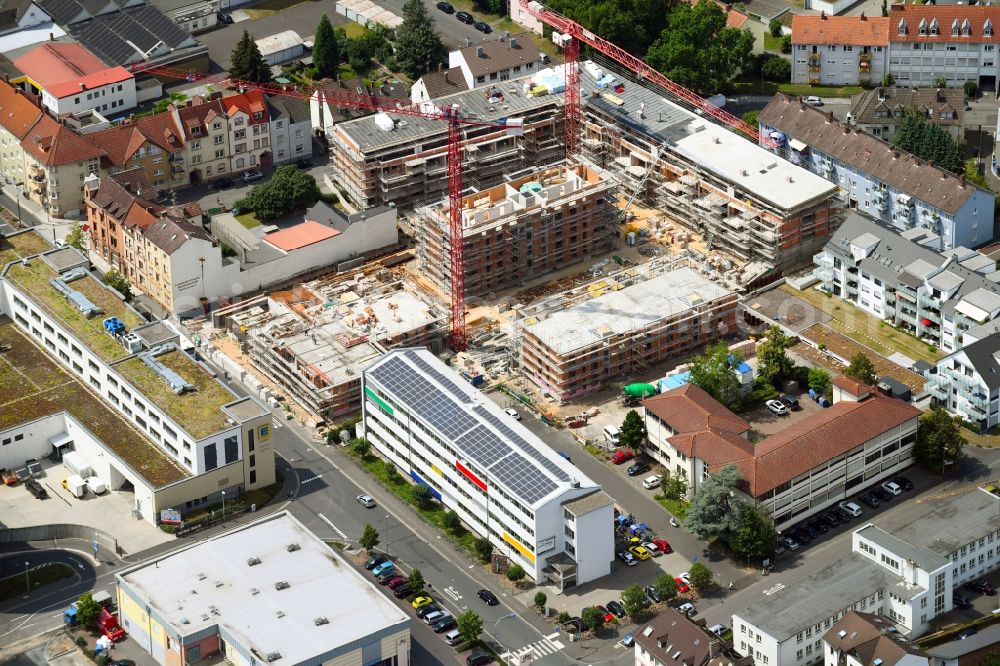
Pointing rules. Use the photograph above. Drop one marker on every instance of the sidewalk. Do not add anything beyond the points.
(32, 215)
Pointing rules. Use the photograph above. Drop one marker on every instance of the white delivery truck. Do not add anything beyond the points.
(95, 485)
(75, 463)
(76, 486)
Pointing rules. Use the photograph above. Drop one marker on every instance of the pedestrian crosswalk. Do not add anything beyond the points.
(546, 646)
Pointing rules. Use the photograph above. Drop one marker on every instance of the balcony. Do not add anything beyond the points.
(823, 259)
(823, 274)
(939, 391)
(866, 56)
(814, 68)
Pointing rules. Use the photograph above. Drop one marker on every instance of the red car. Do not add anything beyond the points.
(663, 546)
(618, 457)
(681, 585)
(608, 615)
(396, 582)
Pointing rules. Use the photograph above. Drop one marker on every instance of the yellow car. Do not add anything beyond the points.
(420, 602)
(639, 552)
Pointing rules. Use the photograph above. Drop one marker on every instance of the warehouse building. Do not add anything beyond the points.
(225, 597)
(621, 326)
(504, 482)
(520, 230)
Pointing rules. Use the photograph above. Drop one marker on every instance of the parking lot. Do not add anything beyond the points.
(111, 511)
(764, 423)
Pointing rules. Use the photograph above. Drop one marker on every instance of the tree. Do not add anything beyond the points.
(666, 587)
(118, 282)
(540, 600)
(715, 372)
(592, 618)
(326, 58)
(492, 6)
(774, 27)
(369, 538)
(755, 534)
(246, 63)
(516, 573)
(422, 496)
(929, 141)
(700, 577)
(87, 610)
(470, 626)
(992, 659)
(451, 522)
(714, 512)
(634, 24)
(391, 473)
(75, 236)
(484, 549)
(289, 189)
(862, 369)
(633, 431)
(888, 79)
(819, 381)
(634, 600)
(885, 8)
(675, 486)
(750, 118)
(360, 447)
(416, 582)
(418, 47)
(697, 50)
(939, 438)
(778, 70)
(773, 364)
(971, 89)
(370, 44)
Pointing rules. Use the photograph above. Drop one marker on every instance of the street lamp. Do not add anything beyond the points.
(496, 634)
(27, 579)
(223, 504)
(18, 185)
(386, 531)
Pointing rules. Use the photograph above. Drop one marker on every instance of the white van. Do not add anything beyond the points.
(612, 434)
(453, 637)
(431, 618)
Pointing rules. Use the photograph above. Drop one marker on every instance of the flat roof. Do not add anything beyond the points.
(925, 558)
(300, 235)
(626, 310)
(232, 581)
(198, 411)
(476, 427)
(23, 244)
(944, 524)
(33, 386)
(33, 279)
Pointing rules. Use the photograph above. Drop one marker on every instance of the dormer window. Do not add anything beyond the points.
(987, 29)
(902, 27)
(923, 27)
(257, 115)
(935, 27)
(966, 28)
(954, 28)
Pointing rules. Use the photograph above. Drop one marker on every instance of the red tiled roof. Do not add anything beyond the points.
(140, 216)
(122, 142)
(66, 68)
(691, 409)
(815, 439)
(848, 30)
(18, 111)
(851, 385)
(52, 143)
(300, 235)
(715, 447)
(200, 115)
(248, 102)
(946, 15)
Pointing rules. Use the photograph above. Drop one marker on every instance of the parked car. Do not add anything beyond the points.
(652, 548)
(892, 488)
(640, 552)
(608, 615)
(564, 456)
(810, 530)
(396, 582)
(441, 626)
(446, 7)
(386, 566)
(813, 100)
(852, 509)
(628, 558)
(512, 413)
(818, 524)
(799, 535)
(637, 468)
(791, 403)
(366, 501)
(981, 586)
(617, 608)
(488, 597)
(304, 163)
(453, 637)
(687, 608)
(386, 577)
(718, 629)
(479, 659)
(831, 518)
(483, 27)
(619, 457)
(628, 640)
(424, 611)
(220, 184)
(960, 602)
(776, 407)
(420, 602)
(682, 585)
(789, 543)
(651, 594)
(966, 634)
(431, 618)
(252, 175)
(224, 18)
(778, 549)
(373, 562)
(869, 499)
(36, 489)
(663, 545)
(466, 18)
(402, 591)
(903, 483)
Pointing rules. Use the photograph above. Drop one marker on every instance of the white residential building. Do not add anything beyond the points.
(839, 50)
(502, 480)
(496, 60)
(291, 129)
(967, 383)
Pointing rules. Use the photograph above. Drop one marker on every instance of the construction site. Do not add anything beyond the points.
(520, 230)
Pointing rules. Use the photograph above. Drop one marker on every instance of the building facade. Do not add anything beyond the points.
(967, 382)
(859, 639)
(839, 50)
(880, 111)
(249, 130)
(505, 483)
(878, 179)
(71, 79)
(291, 129)
(495, 61)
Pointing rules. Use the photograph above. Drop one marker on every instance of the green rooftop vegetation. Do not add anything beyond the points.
(34, 280)
(21, 245)
(198, 411)
(33, 386)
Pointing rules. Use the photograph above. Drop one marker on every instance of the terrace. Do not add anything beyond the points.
(199, 412)
(21, 245)
(33, 280)
(32, 386)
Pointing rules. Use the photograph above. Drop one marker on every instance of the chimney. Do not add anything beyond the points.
(847, 130)
(468, 42)
(446, 80)
(512, 43)
(52, 37)
(829, 116)
(961, 180)
(822, 16)
(479, 52)
(863, 17)
(440, 66)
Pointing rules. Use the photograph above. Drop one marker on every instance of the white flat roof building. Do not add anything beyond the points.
(500, 478)
(270, 591)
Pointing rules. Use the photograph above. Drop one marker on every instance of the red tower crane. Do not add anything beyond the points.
(354, 100)
(573, 33)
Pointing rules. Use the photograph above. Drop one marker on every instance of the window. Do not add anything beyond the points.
(211, 457)
(250, 442)
(253, 476)
(232, 449)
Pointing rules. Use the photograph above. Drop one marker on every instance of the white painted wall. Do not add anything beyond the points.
(109, 100)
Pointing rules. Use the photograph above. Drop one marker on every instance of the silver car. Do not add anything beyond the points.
(366, 501)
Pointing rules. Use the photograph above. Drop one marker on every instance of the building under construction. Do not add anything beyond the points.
(618, 326)
(314, 340)
(521, 229)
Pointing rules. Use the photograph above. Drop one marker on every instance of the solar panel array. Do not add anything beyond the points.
(509, 458)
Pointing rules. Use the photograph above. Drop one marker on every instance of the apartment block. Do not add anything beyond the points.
(617, 327)
(291, 129)
(249, 130)
(71, 79)
(947, 299)
(179, 437)
(881, 111)
(518, 231)
(839, 50)
(877, 178)
(967, 382)
(505, 483)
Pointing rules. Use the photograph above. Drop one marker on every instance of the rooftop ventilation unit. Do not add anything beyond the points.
(841, 633)
(177, 383)
(281, 585)
(79, 301)
(320, 621)
(254, 591)
(253, 561)
(273, 656)
(292, 547)
(202, 576)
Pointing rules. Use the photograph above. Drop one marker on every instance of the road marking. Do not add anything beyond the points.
(332, 526)
(776, 588)
(453, 593)
(311, 478)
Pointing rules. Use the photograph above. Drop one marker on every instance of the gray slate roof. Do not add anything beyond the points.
(937, 187)
(895, 101)
(499, 54)
(108, 35)
(293, 108)
(982, 356)
(170, 234)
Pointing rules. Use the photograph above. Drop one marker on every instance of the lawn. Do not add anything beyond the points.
(353, 30)
(864, 328)
(772, 43)
(248, 220)
(845, 347)
(269, 7)
(46, 574)
(20, 245)
(754, 87)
